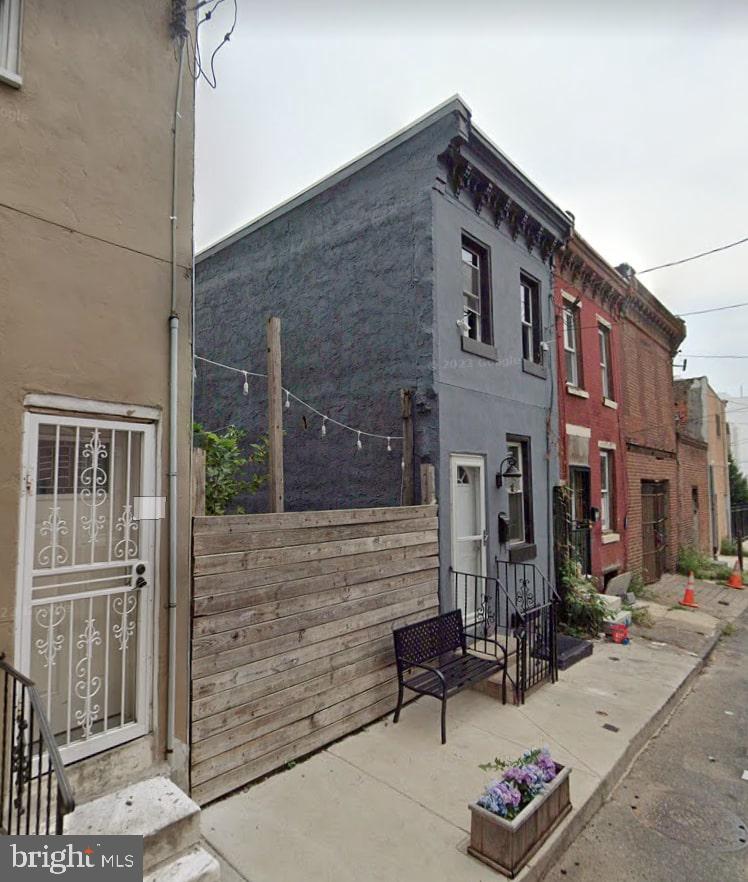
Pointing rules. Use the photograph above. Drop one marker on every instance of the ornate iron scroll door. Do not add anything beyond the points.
(85, 598)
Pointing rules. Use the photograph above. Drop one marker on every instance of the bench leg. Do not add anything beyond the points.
(444, 720)
(399, 703)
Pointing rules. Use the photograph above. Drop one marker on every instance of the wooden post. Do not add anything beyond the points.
(198, 482)
(428, 484)
(275, 416)
(739, 543)
(406, 401)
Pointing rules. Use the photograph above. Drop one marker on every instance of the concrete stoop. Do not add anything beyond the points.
(166, 818)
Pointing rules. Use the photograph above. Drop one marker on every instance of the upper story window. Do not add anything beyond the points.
(571, 345)
(10, 41)
(532, 325)
(606, 367)
(476, 291)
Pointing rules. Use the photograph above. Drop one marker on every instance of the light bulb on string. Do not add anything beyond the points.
(389, 446)
(288, 400)
(323, 430)
(245, 387)
(359, 445)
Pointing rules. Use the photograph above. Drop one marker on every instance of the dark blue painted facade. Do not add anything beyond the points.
(366, 277)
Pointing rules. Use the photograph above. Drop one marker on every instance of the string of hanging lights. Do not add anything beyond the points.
(325, 418)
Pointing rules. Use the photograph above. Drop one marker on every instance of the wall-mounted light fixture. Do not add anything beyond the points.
(511, 472)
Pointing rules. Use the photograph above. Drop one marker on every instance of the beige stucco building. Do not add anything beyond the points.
(89, 295)
(700, 413)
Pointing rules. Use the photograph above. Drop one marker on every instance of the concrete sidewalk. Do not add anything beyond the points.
(391, 802)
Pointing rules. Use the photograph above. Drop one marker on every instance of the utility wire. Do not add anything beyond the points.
(712, 309)
(651, 269)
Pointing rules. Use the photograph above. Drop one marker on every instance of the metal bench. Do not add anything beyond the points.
(437, 647)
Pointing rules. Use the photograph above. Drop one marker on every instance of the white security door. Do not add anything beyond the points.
(85, 598)
(468, 530)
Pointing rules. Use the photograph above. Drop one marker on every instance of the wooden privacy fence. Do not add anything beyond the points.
(292, 631)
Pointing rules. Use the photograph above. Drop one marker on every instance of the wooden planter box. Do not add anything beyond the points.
(507, 846)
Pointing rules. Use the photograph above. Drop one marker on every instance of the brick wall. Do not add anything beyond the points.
(648, 421)
(583, 406)
(692, 474)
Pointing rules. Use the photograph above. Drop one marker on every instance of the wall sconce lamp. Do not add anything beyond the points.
(511, 473)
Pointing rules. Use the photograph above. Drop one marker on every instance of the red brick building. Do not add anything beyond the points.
(650, 336)
(589, 296)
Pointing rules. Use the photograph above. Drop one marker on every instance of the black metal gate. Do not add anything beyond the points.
(654, 529)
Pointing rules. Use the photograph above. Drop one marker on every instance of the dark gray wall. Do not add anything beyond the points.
(350, 275)
(481, 401)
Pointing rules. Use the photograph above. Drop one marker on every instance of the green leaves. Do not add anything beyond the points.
(224, 464)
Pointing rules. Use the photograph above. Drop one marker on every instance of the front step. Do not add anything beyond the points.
(156, 809)
(196, 865)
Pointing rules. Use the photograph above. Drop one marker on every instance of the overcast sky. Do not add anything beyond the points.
(631, 116)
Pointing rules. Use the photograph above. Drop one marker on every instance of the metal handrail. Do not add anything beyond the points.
(65, 799)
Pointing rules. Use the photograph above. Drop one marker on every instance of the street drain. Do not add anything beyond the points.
(702, 823)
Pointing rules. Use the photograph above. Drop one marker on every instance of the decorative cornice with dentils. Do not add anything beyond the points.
(581, 274)
(488, 196)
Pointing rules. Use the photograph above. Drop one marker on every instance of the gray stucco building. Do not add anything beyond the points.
(425, 264)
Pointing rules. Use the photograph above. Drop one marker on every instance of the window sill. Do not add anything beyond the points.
(609, 538)
(522, 552)
(607, 402)
(537, 370)
(575, 390)
(10, 78)
(476, 347)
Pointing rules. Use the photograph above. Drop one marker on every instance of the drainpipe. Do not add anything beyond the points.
(173, 425)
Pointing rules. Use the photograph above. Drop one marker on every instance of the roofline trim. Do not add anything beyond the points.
(454, 103)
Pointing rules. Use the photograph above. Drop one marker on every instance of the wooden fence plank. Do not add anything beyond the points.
(222, 543)
(237, 777)
(229, 563)
(219, 685)
(325, 518)
(284, 574)
(243, 598)
(305, 623)
(307, 603)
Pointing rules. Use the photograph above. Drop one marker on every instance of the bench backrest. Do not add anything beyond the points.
(430, 638)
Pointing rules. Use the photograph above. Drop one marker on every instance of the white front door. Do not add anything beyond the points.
(86, 573)
(468, 517)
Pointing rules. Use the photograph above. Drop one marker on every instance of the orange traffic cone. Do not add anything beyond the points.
(688, 598)
(736, 577)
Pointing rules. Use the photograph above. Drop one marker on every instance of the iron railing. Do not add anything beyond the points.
(34, 793)
(522, 633)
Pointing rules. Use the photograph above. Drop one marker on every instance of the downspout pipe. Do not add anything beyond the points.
(173, 425)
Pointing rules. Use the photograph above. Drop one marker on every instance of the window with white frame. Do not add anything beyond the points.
(607, 500)
(571, 345)
(476, 292)
(532, 326)
(606, 372)
(10, 41)
(519, 492)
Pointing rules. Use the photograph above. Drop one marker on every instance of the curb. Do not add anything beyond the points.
(554, 849)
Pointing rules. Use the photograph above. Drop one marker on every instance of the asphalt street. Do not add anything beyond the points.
(682, 811)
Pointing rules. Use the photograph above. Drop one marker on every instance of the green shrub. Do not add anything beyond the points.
(728, 546)
(691, 560)
(642, 617)
(583, 610)
(224, 464)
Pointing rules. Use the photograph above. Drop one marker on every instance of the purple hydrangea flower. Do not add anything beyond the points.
(546, 765)
(501, 798)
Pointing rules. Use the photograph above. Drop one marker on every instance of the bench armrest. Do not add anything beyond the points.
(407, 663)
